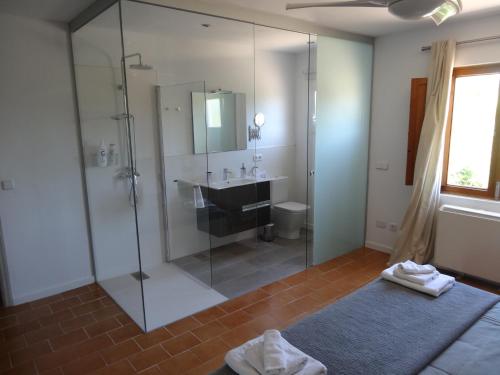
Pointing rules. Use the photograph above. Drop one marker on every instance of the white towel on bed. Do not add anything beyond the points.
(435, 287)
(422, 278)
(275, 356)
(413, 268)
(236, 359)
(279, 357)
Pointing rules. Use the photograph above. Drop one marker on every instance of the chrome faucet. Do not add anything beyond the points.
(253, 171)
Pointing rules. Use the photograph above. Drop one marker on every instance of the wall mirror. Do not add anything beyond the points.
(219, 121)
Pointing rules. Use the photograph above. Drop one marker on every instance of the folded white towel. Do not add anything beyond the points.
(236, 359)
(199, 202)
(413, 268)
(275, 356)
(422, 278)
(435, 288)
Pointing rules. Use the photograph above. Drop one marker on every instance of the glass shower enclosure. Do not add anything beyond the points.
(200, 143)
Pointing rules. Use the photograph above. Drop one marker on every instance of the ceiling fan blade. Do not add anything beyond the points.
(364, 4)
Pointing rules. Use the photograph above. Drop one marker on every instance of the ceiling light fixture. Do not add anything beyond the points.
(449, 9)
(438, 10)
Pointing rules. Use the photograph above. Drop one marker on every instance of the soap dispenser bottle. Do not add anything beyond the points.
(243, 171)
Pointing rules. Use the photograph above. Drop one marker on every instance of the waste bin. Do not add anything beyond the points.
(268, 232)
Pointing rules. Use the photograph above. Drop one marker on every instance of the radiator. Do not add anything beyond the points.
(468, 241)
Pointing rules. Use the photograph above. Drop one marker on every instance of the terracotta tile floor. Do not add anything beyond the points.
(84, 331)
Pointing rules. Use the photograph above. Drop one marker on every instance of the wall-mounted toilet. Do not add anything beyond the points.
(288, 217)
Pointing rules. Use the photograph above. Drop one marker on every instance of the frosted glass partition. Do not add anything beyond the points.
(344, 78)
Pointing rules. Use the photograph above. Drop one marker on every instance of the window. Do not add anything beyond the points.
(214, 119)
(470, 158)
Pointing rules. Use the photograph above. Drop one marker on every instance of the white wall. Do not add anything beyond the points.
(43, 218)
(398, 59)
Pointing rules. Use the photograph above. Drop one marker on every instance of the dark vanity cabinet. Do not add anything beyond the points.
(235, 209)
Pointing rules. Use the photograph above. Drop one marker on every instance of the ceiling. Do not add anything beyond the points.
(367, 21)
(372, 21)
(50, 10)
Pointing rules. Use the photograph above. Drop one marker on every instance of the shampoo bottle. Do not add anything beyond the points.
(102, 155)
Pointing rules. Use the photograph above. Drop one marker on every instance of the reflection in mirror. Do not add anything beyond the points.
(219, 121)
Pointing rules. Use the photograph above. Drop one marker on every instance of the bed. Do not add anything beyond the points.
(384, 328)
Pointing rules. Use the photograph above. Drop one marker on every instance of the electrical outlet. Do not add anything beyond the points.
(381, 224)
(393, 227)
(257, 157)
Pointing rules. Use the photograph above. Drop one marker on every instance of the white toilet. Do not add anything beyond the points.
(288, 217)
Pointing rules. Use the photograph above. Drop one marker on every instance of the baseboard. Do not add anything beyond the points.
(378, 246)
(47, 292)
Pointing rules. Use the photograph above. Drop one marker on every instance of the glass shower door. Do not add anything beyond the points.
(281, 93)
(185, 177)
(229, 76)
(167, 62)
(110, 168)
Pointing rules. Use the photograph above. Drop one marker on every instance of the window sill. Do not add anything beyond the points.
(481, 203)
(469, 195)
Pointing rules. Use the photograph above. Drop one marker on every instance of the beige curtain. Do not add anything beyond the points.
(416, 237)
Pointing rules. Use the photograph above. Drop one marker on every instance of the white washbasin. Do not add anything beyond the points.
(232, 182)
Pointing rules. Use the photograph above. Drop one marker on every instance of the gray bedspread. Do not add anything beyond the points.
(477, 351)
(384, 328)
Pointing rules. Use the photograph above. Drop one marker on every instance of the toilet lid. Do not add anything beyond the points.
(291, 206)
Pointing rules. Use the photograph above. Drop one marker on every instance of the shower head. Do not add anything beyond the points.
(139, 66)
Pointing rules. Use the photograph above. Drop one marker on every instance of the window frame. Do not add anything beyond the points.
(468, 71)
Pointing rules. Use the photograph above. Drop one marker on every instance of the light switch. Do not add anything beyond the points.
(382, 165)
(8, 185)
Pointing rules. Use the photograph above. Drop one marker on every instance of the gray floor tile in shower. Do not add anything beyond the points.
(246, 265)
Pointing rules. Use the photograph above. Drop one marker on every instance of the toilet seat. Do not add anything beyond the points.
(293, 207)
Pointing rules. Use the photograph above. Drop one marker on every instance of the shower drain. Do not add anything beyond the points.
(139, 276)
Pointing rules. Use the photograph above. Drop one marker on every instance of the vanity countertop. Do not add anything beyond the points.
(234, 182)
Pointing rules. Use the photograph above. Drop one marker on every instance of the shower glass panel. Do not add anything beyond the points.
(281, 92)
(312, 105)
(228, 68)
(344, 77)
(206, 128)
(107, 132)
(171, 57)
